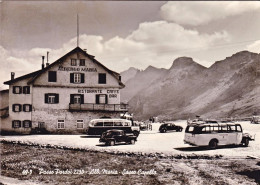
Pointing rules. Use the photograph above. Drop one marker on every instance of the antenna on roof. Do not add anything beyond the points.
(77, 30)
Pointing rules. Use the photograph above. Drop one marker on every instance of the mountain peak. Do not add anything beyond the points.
(182, 62)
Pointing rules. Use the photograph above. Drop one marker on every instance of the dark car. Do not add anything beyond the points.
(169, 126)
(111, 137)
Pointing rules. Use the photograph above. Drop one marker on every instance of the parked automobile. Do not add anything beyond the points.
(255, 119)
(111, 137)
(214, 134)
(169, 126)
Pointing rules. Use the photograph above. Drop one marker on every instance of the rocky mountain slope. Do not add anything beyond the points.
(229, 88)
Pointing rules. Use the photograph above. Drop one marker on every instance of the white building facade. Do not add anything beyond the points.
(63, 96)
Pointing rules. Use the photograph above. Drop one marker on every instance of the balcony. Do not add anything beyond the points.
(99, 107)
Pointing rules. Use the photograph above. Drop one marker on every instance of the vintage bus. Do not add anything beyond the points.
(98, 126)
(214, 134)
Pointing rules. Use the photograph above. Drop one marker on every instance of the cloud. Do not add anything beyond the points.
(201, 12)
(254, 47)
(156, 43)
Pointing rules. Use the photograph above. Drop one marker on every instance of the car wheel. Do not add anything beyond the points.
(132, 141)
(136, 133)
(111, 143)
(164, 130)
(246, 142)
(213, 144)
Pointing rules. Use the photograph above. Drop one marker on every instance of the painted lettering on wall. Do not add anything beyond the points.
(61, 68)
(96, 91)
(112, 91)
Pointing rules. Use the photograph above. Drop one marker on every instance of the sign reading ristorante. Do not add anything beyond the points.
(61, 68)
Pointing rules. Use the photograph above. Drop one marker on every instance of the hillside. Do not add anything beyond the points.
(229, 88)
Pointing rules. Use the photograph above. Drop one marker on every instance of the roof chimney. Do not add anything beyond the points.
(12, 75)
(42, 62)
(47, 64)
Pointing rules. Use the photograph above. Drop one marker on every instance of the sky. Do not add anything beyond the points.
(124, 34)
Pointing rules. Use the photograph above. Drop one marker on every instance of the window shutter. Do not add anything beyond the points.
(72, 98)
(13, 89)
(20, 124)
(97, 98)
(24, 90)
(30, 123)
(30, 108)
(24, 107)
(56, 98)
(106, 99)
(46, 98)
(71, 77)
(82, 78)
(82, 98)
(24, 123)
(20, 108)
(28, 89)
(20, 90)
(13, 107)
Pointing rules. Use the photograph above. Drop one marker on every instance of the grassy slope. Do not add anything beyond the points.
(16, 158)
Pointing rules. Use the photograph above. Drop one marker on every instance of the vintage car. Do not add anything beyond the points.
(169, 126)
(111, 137)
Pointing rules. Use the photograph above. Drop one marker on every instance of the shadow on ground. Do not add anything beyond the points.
(205, 148)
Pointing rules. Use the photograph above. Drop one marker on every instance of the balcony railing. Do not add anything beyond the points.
(98, 107)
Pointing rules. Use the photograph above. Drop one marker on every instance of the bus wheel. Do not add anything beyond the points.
(246, 142)
(132, 141)
(213, 144)
(180, 130)
(111, 143)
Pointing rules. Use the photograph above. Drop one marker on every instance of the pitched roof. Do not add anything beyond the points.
(36, 74)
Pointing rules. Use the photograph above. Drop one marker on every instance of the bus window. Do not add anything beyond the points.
(98, 124)
(206, 129)
(223, 129)
(108, 124)
(239, 129)
(232, 128)
(116, 124)
(189, 129)
(126, 124)
(214, 128)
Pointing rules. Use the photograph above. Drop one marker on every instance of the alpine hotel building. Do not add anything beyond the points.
(63, 96)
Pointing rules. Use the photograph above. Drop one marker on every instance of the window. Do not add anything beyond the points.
(51, 98)
(17, 108)
(26, 89)
(82, 62)
(52, 76)
(80, 123)
(27, 108)
(108, 124)
(17, 89)
(77, 98)
(102, 78)
(118, 124)
(101, 99)
(98, 124)
(73, 62)
(16, 123)
(61, 124)
(77, 77)
(41, 124)
(27, 124)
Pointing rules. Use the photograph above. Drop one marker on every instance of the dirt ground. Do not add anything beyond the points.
(22, 164)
